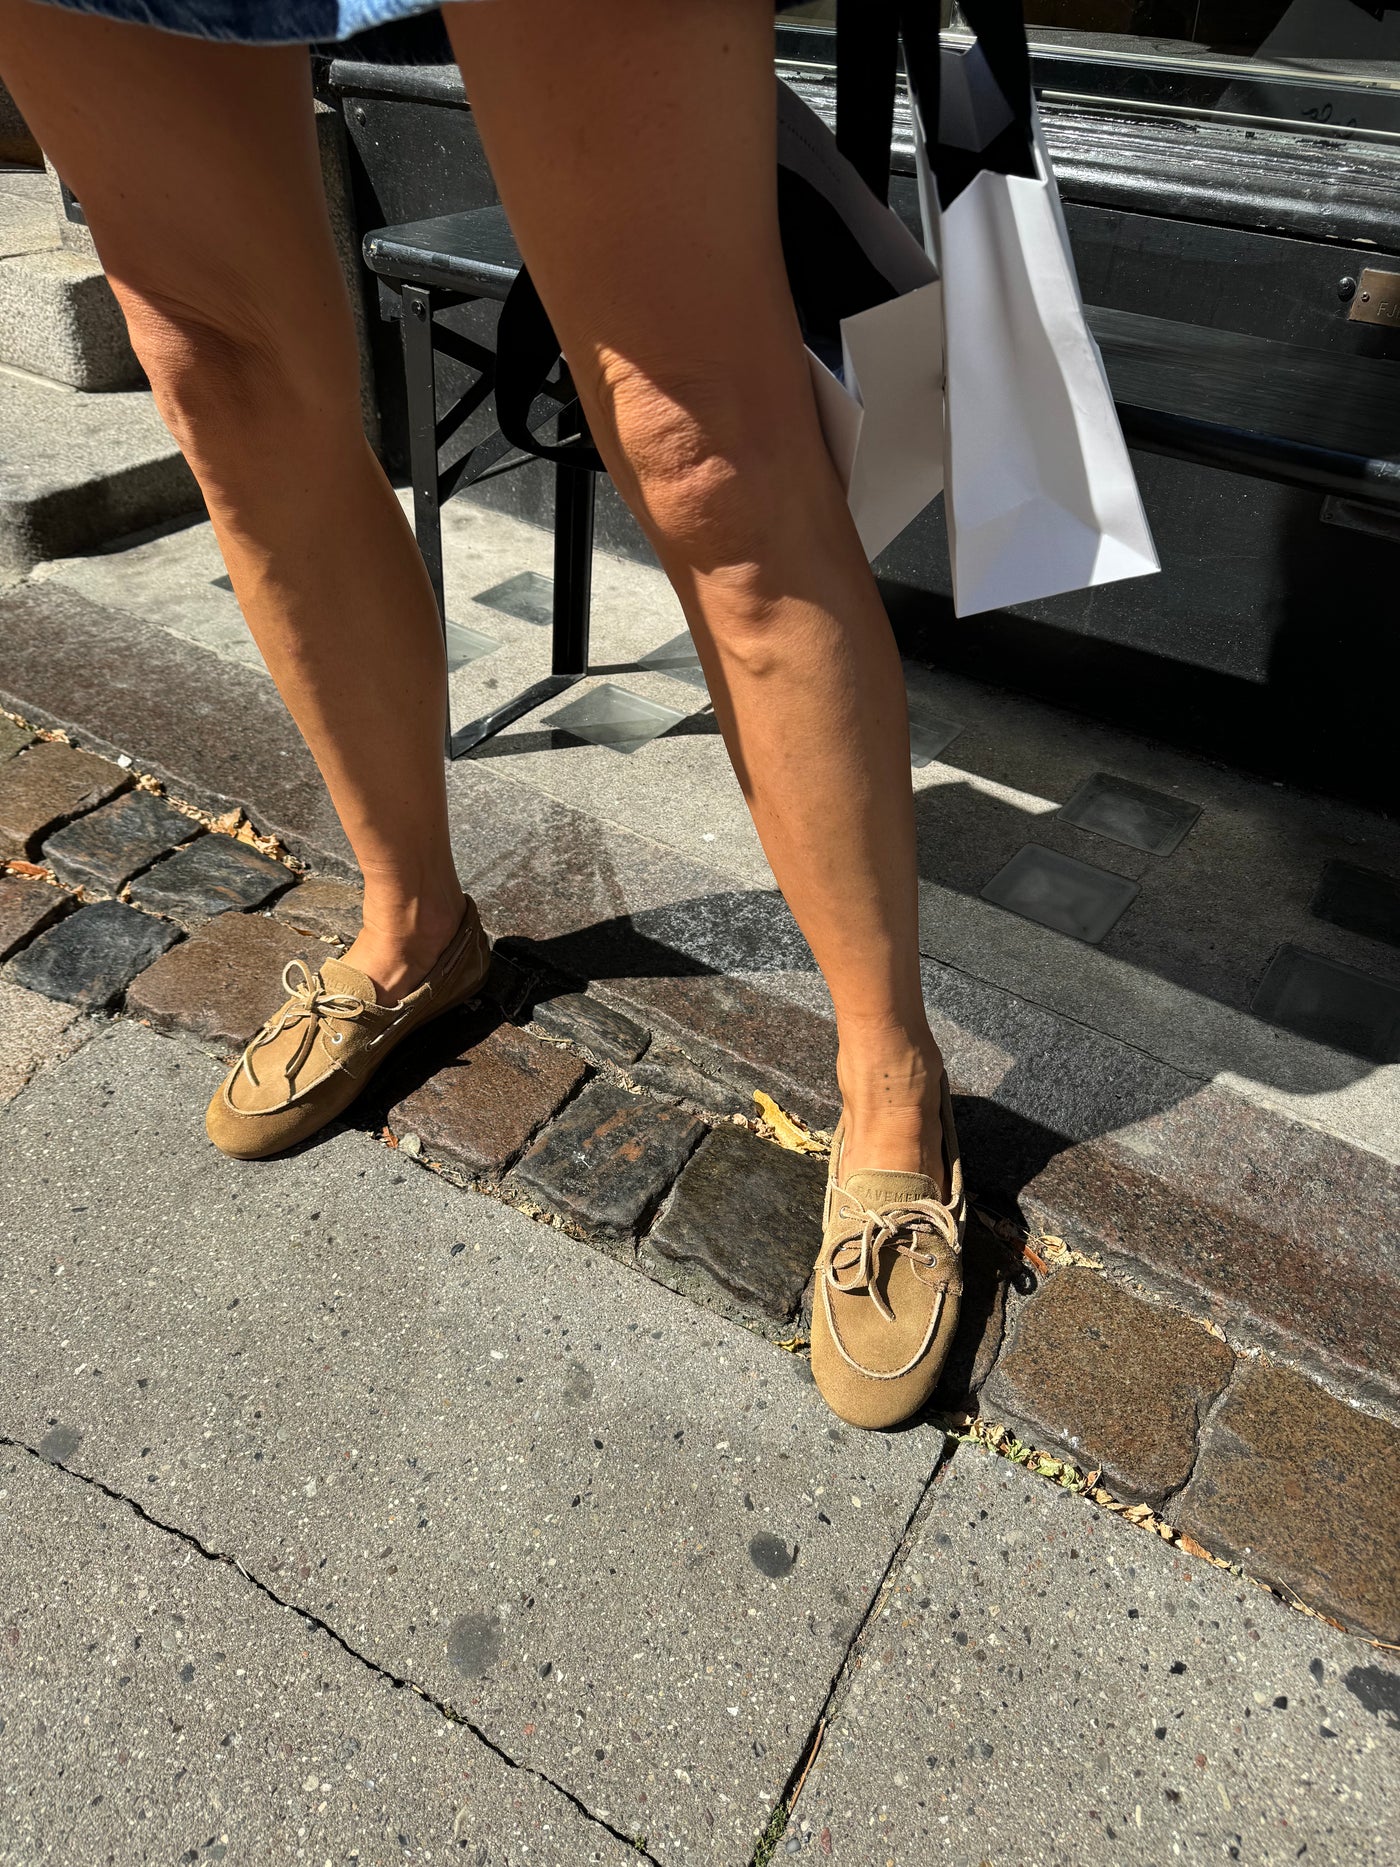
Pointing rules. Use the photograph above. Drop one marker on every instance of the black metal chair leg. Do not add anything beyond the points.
(574, 494)
(420, 380)
(574, 491)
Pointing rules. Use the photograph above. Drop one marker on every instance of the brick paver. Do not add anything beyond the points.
(221, 983)
(491, 1088)
(46, 785)
(1111, 1381)
(104, 849)
(1304, 1491)
(91, 957)
(610, 1158)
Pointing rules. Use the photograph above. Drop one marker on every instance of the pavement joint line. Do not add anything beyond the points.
(849, 1662)
(443, 1707)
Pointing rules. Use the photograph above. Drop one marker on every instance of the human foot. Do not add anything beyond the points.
(308, 1064)
(889, 1282)
(892, 1111)
(402, 940)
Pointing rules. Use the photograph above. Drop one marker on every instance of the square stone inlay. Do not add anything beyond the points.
(464, 645)
(1130, 813)
(1364, 901)
(613, 716)
(678, 659)
(929, 738)
(1072, 897)
(527, 596)
(1332, 1004)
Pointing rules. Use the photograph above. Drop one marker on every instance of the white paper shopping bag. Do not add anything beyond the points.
(1040, 495)
(880, 397)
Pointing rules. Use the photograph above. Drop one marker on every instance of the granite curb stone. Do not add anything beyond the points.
(609, 1159)
(222, 983)
(1110, 1381)
(162, 1708)
(1304, 1491)
(490, 1090)
(581, 1019)
(27, 907)
(107, 847)
(329, 910)
(90, 958)
(44, 787)
(1048, 1686)
(212, 876)
(750, 1214)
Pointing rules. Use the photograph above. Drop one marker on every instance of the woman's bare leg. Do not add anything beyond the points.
(196, 166)
(637, 163)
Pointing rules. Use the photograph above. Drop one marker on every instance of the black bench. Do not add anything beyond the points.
(1323, 421)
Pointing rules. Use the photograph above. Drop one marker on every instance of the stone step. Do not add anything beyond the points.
(77, 470)
(60, 320)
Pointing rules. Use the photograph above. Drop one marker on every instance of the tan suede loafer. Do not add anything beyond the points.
(308, 1064)
(889, 1283)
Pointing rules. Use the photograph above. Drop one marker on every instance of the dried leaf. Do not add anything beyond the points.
(788, 1131)
(1190, 1547)
(35, 869)
(227, 824)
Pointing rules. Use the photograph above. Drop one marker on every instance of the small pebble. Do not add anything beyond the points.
(411, 1145)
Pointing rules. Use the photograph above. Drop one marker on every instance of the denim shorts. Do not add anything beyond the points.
(264, 22)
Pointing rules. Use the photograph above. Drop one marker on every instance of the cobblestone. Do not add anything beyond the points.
(221, 983)
(484, 1091)
(12, 738)
(749, 1214)
(329, 910)
(105, 849)
(213, 875)
(596, 1027)
(44, 787)
(610, 1158)
(91, 957)
(27, 907)
(669, 1072)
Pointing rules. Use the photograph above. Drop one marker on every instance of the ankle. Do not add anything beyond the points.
(891, 1093)
(403, 937)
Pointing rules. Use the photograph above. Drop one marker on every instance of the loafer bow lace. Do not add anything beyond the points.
(310, 1005)
(856, 1259)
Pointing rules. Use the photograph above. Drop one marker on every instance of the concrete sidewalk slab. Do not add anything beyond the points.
(497, 1462)
(1049, 1684)
(159, 1706)
(34, 1030)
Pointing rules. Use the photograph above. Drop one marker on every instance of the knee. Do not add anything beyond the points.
(230, 384)
(702, 474)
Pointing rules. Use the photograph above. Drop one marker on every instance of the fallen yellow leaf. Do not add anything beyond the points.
(788, 1132)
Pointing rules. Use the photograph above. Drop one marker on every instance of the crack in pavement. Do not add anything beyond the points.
(849, 1661)
(442, 1706)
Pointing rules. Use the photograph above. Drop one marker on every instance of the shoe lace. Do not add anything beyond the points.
(310, 1004)
(901, 1228)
